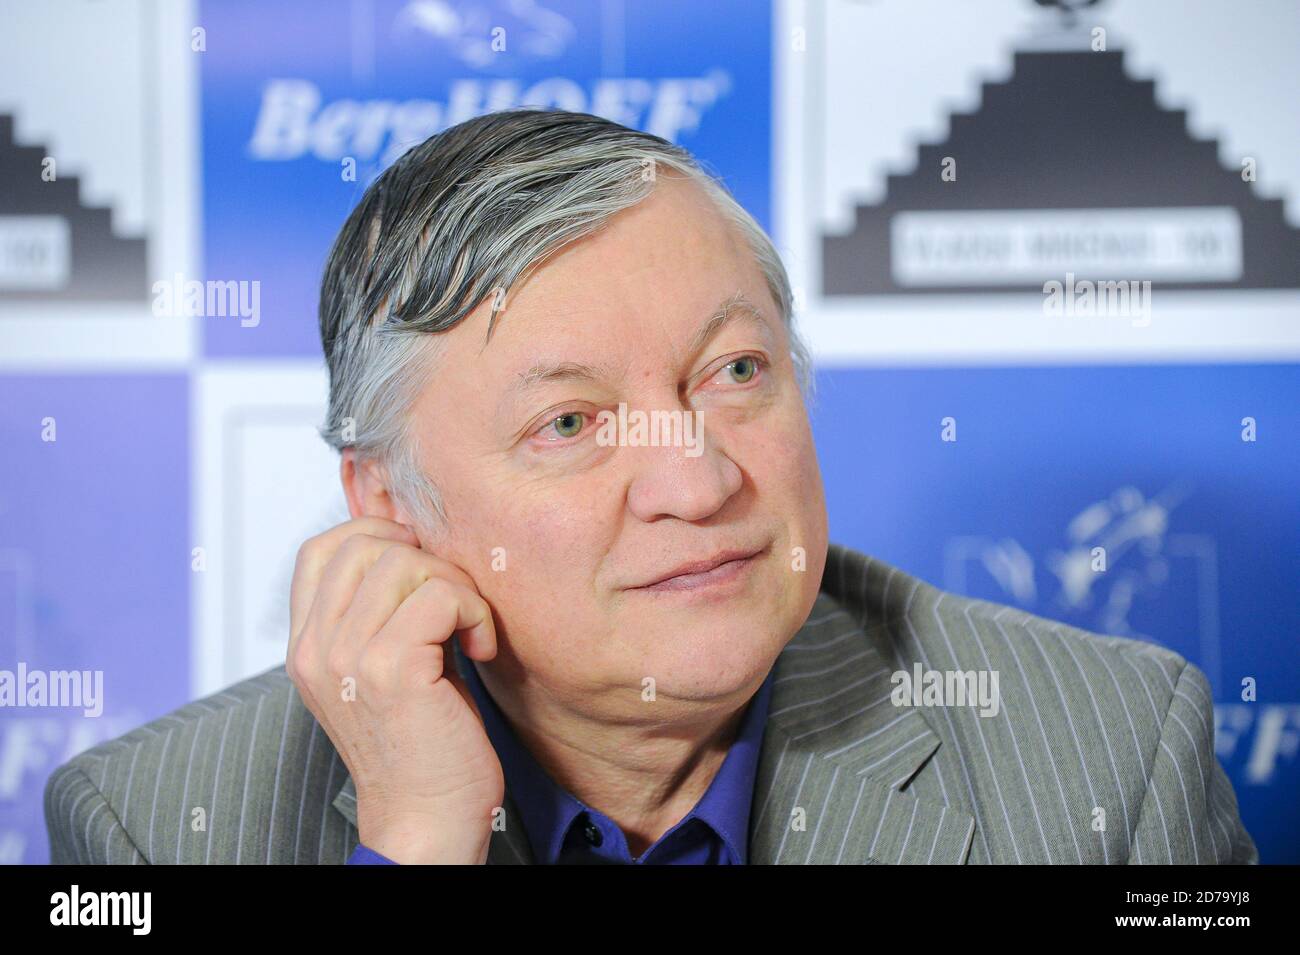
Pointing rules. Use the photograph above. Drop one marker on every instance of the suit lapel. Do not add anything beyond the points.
(837, 753)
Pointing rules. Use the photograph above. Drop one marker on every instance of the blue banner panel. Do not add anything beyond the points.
(1153, 502)
(95, 566)
(304, 103)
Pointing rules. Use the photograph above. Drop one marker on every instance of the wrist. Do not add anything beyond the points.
(426, 838)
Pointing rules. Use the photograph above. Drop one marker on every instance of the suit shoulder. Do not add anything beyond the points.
(1046, 728)
(1057, 639)
(213, 755)
(234, 703)
(1034, 655)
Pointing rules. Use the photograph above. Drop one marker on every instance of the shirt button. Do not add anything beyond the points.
(593, 834)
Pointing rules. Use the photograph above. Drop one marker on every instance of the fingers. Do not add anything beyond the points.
(395, 574)
(406, 650)
(317, 553)
(342, 578)
(394, 639)
(369, 577)
(351, 585)
(437, 609)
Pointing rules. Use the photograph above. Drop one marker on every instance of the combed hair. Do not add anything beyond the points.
(458, 219)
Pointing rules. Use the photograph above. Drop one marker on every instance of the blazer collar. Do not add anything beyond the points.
(837, 755)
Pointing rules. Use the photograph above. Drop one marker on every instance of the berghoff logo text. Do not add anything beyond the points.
(294, 120)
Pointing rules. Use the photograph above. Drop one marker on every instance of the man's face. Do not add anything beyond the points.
(562, 531)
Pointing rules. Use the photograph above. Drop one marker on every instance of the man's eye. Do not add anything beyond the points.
(566, 425)
(743, 369)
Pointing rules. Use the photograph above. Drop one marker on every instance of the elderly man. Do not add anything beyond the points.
(586, 609)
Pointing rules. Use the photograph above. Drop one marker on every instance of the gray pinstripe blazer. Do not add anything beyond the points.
(1086, 723)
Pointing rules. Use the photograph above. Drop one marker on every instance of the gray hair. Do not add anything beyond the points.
(459, 218)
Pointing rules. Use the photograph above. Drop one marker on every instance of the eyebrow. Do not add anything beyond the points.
(735, 307)
(544, 373)
(738, 306)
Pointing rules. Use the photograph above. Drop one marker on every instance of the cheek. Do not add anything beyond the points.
(536, 564)
(782, 462)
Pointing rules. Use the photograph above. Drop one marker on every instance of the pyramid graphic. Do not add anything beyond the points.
(1069, 130)
(54, 248)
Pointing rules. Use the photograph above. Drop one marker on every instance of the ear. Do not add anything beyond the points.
(365, 483)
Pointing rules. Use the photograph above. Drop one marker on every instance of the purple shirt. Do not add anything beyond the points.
(563, 830)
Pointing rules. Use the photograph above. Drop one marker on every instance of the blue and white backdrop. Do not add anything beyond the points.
(925, 167)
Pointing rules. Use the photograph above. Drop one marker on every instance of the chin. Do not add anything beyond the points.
(714, 659)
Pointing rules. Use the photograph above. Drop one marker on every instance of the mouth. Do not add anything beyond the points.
(726, 567)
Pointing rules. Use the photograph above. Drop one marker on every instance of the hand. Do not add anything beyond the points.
(370, 617)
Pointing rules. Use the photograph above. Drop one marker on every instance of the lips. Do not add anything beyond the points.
(701, 566)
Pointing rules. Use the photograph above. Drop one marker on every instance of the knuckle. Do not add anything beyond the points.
(299, 663)
(394, 557)
(308, 555)
(310, 546)
(423, 665)
(337, 662)
(375, 666)
(440, 567)
(441, 591)
(354, 546)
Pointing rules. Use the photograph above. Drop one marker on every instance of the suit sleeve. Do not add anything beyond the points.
(1189, 811)
(83, 827)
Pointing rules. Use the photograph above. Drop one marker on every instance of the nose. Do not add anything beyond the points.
(676, 481)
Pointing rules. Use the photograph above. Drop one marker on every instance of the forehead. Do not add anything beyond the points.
(735, 310)
(649, 279)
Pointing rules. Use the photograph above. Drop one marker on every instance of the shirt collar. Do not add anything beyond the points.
(549, 811)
